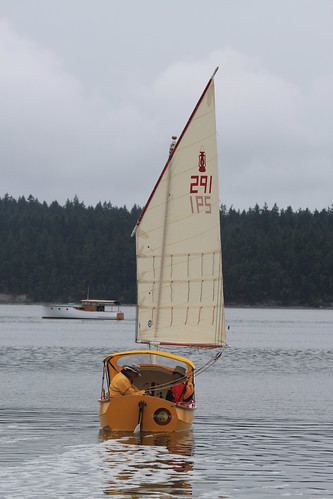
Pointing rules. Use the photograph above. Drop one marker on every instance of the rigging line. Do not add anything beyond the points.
(209, 363)
(183, 379)
(168, 173)
(170, 384)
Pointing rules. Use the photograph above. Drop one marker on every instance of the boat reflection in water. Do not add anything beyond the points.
(142, 464)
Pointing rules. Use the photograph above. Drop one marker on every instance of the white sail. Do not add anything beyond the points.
(179, 261)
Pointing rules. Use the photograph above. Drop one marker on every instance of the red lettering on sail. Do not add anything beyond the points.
(201, 187)
(204, 181)
(200, 203)
(194, 184)
(208, 204)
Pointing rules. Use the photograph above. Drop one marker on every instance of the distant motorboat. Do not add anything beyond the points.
(87, 309)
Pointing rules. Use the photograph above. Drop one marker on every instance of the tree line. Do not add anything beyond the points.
(278, 257)
(54, 253)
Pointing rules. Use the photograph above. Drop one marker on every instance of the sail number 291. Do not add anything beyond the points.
(200, 190)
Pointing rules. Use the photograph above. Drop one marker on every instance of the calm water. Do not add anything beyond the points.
(263, 427)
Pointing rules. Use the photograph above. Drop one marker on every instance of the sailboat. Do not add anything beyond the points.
(179, 283)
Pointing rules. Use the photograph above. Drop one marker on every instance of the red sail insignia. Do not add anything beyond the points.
(201, 187)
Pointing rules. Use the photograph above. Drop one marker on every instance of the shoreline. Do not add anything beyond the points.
(8, 299)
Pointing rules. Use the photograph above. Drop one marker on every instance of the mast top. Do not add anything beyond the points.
(216, 70)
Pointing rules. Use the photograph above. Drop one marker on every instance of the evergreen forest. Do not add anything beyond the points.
(52, 253)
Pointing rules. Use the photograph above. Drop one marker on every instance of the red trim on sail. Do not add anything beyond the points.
(177, 143)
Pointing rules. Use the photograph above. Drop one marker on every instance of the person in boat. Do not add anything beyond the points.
(181, 391)
(123, 382)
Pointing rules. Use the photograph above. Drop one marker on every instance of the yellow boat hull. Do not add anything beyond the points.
(151, 412)
(158, 415)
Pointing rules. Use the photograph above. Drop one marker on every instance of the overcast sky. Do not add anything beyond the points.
(92, 90)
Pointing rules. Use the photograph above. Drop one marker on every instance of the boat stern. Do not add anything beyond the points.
(153, 414)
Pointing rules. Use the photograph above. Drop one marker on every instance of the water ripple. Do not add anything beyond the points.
(242, 360)
(222, 457)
